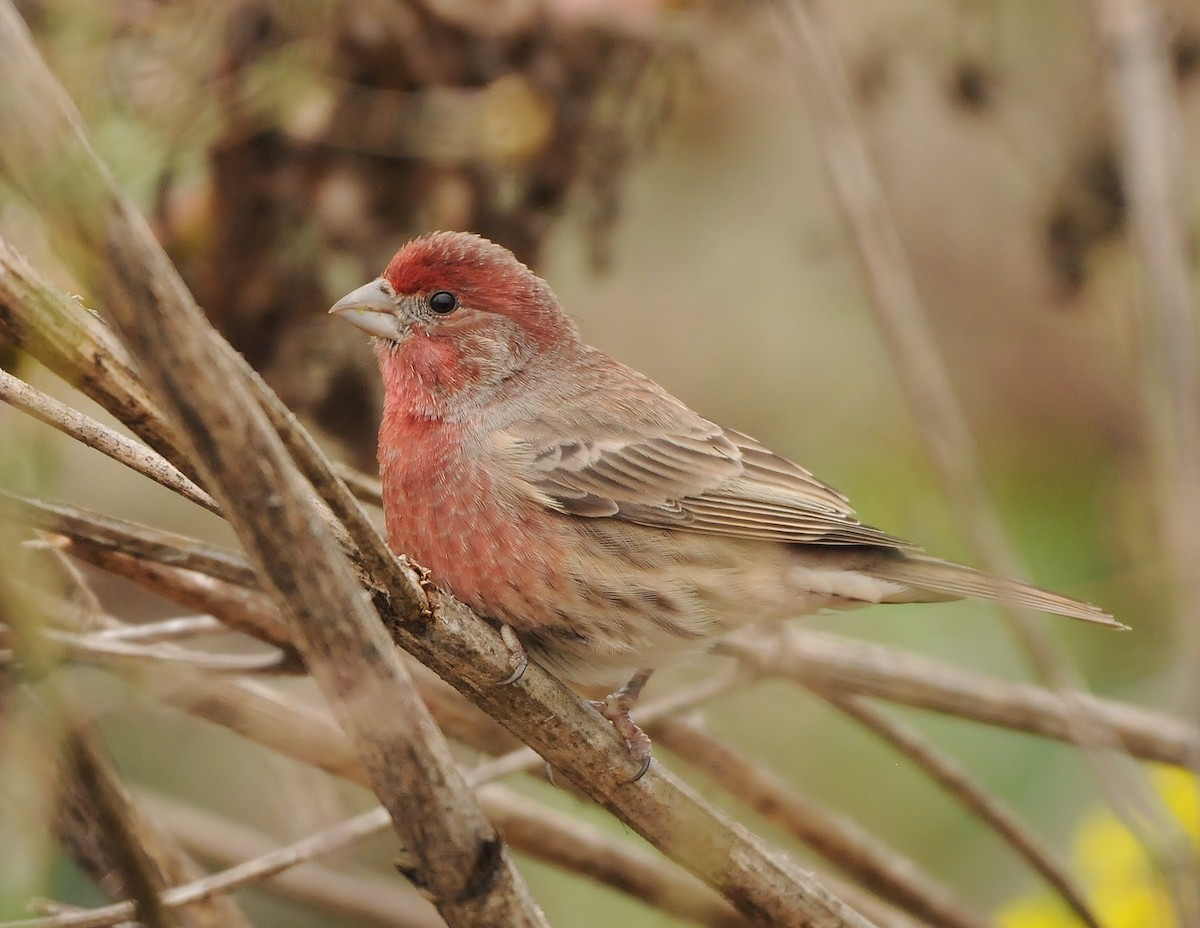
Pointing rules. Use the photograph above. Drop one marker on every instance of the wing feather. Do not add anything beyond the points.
(700, 478)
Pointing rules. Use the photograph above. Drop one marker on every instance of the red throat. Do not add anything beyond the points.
(419, 374)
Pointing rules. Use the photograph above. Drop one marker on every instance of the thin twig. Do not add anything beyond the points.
(237, 607)
(102, 652)
(138, 540)
(77, 586)
(954, 778)
(70, 340)
(115, 642)
(835, 837)
(326, 841)
(359, 894)
(179, 628)
(110, 442)
(819, 659)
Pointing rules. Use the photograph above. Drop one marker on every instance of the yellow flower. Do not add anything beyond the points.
(1113, 868)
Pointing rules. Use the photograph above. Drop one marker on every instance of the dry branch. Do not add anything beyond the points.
(99, 820)
(821, 660)
(107, 441)
(138, 541)
(296, 730)
(835, 837)
(201, 890)
(72, 341)
(358, 895)
(954, 778)
(239, 608)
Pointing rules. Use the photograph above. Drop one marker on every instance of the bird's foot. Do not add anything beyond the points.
(518, 657)
(616, 708)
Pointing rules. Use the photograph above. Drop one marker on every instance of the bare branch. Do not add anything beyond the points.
(101, 652)
(359, 895)
(823, 660)
(836, 838)
(325, 841)
(107, 441)
(238, 607)
(72, 341)
(953, 777)
(138, 540)
(179, 628)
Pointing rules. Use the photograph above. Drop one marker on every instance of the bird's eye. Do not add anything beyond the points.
(443, 302)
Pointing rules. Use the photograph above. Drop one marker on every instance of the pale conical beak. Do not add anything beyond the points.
(372, 308)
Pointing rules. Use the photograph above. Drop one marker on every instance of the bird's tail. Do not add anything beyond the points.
(945, 580)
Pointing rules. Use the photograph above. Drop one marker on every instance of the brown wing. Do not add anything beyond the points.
(700, 478)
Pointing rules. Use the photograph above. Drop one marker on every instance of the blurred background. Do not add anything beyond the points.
(655, 161)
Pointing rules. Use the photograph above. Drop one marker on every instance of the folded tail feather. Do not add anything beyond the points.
(944, 579)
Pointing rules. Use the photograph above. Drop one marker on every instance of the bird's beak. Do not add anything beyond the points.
(372, 307)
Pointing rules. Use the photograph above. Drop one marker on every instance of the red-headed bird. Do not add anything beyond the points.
(553, 489)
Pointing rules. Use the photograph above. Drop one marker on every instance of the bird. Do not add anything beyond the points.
(604, 525)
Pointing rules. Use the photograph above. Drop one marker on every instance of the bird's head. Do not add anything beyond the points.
(457, 314)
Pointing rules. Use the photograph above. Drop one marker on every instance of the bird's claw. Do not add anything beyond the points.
(518, 655)
(616, 709)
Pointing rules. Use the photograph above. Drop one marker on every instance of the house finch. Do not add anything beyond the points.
(557, 491)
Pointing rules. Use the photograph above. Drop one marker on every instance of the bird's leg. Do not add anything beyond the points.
(616, 708)
(520, 659)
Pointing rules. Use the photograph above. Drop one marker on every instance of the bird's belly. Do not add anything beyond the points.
(593, 599)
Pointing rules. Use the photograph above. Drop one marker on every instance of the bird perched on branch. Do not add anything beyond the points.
(558, 492)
